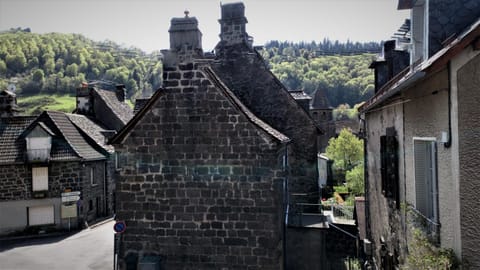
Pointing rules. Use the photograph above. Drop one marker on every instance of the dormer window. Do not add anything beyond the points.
(39, 144)
(419, 31)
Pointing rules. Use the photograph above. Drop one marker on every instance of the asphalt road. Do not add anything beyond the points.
(88, 249)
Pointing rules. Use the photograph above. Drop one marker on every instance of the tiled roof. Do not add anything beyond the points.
(11, 148)
(320, 100)
(252, 117)
(92, 129)
(299, 94)
(120, 109)
(73, 137)
(139, 103)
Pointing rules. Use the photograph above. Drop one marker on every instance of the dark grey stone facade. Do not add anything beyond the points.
(201, 186)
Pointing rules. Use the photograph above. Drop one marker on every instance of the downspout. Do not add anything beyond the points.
(286, 203)
(449, 142)
(365, 177)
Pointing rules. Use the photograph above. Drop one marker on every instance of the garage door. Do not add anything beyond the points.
(40, 215)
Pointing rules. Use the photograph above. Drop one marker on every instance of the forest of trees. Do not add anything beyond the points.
(339, 68)
(57, 63)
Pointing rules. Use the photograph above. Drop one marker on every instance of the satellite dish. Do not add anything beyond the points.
(11, 87)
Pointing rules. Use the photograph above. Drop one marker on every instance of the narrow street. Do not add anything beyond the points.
(88, 249)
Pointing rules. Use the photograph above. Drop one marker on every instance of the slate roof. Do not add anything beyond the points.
(252, 117)
(299, 94)
(139, 104)
(418, 71)
(11, 148)
(320, 100)
(92, 129)
(228, 93)
(119, 108)
(72, 135)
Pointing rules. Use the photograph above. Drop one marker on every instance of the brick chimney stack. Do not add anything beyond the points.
(185, 41)
(233, 25)
(8, 104)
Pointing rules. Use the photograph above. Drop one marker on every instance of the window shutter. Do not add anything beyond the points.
(422, 167)
(392, 169)
(383, 163)
(39, 178)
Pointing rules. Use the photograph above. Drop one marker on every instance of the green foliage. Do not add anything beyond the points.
(346, 150)
(424, 255)
(39, 103)
(340, 189)
(355, 180)
(68, 59)
(339, 68)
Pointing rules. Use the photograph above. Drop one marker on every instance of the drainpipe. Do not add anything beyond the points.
(286, 203)
(366, 180)
(449, 142)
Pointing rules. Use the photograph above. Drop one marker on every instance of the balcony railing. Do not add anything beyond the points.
(38, 155)
(429, 227)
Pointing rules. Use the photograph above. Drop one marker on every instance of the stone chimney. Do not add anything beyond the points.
(388, 66)
(84, 100)
(232, 23)
(121, 92)
(185, 41)
(8, 104)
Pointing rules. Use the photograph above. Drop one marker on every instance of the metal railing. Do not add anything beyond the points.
(342, 211)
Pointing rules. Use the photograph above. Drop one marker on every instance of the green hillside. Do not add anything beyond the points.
(47, 68)
(340, 69)
(57, 63)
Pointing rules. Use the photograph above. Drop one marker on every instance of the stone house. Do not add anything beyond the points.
(43, 157)
(54, 153)
(420, 134)
(205, 166)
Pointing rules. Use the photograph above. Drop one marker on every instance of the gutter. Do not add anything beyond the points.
(402, 84)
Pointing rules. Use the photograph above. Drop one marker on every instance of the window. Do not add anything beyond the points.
(39, 178)
(389, 166)
(93, 181)
(425, 165)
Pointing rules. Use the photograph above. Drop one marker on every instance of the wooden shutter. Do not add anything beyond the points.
(39, 178)
(383, 163)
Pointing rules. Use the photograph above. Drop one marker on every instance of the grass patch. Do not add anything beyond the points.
(34, 105)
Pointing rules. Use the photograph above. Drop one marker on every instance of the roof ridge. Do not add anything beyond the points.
(251, 116)
(63, 133)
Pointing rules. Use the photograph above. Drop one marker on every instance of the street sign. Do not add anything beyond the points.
(119, 226)
(73, 193)
(70, 198)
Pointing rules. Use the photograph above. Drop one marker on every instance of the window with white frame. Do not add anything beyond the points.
(425, 162)
(39, 178)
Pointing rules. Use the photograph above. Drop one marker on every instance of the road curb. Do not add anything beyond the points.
(93, 226)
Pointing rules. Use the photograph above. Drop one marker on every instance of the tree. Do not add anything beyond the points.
(38, 76)
(346, 150)
(355, 180)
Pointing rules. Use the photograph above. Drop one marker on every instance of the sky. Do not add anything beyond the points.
(144, 23)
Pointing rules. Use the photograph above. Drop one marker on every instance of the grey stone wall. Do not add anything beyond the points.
(200, 186)
(468, 137)
(16, 184)
(385, 221)
(245, 73)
